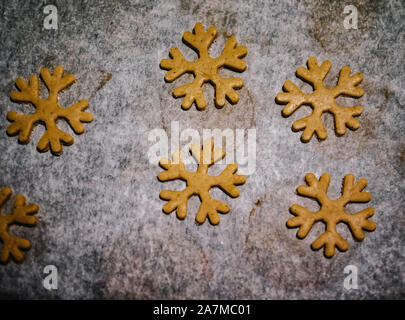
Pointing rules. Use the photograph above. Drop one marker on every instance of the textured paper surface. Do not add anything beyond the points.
(100, 219)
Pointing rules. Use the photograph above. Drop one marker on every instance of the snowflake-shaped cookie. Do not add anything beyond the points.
(205, 68)
(47, 111)
(332, 212)
(322, 100)
(21, 214)
(199, 182)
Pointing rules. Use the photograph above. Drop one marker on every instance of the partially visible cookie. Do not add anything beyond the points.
(21, 214)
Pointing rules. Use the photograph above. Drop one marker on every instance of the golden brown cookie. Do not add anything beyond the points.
(47, 111)
(332, 212)
(21, 214)
(322, 100)
(205, 68)
(199, 182)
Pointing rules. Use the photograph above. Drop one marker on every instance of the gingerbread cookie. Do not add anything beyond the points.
(205, 68)
(322, 100)
(47, 111)
(21, 214)
(199, 183)
(332, 212)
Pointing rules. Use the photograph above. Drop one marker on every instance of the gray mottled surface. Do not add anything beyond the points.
(100, 218)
